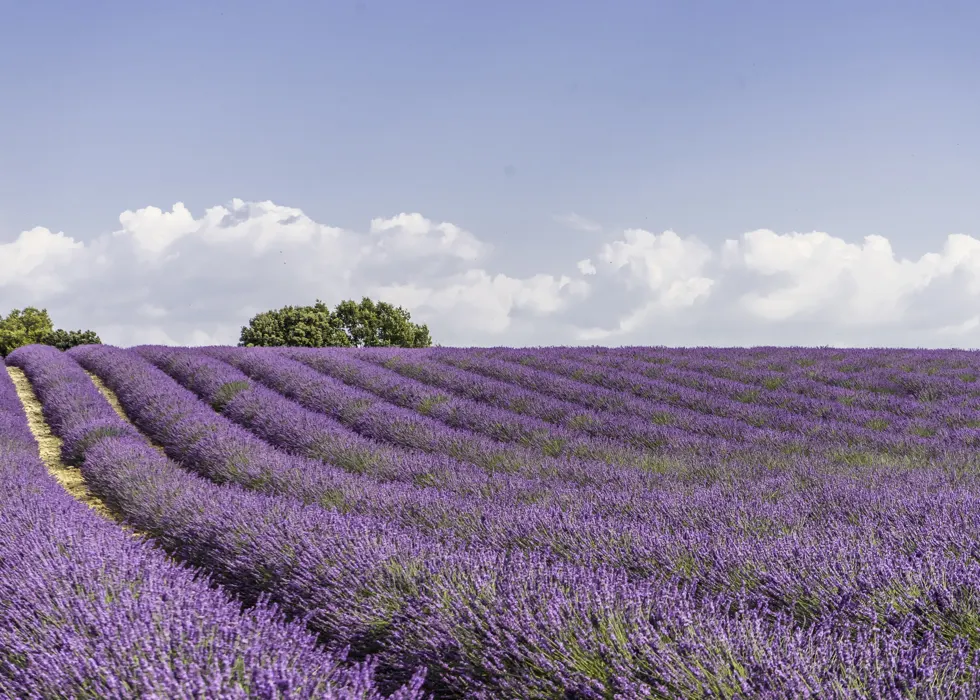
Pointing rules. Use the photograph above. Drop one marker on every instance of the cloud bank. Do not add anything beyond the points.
(179, 278)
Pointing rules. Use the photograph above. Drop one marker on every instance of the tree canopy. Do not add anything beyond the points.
(31, 326)
(351, 324)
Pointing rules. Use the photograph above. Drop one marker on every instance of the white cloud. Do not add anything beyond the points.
(154, 230)
(412, 235)
(33, 260)
(478, 302)
(176, 277)
(665, 272)
(858, 283)
(660, 262)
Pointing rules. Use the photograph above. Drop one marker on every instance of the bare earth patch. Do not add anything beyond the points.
(49, 446)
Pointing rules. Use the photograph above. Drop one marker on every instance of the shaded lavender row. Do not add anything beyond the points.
(372, 417)
(514, 625)
(825, 433)
(90, 611)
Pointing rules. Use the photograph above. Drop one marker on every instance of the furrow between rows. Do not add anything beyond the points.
(113, 401)
(49, 445)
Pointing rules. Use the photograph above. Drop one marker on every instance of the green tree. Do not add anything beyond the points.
(30, 325)
(294, 326)
(352, 324)
(370, 324)
(63, 339)
(24, 327)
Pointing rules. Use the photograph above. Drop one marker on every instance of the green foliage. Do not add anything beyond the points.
(63, 339)
(294, 326)
(351, 324)
(381, 325)
(24, 327)
(31, 326)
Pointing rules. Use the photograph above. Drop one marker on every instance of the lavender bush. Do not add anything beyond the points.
(87, 610)
(567, 522)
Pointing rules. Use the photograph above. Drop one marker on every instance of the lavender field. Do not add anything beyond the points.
(490, 523)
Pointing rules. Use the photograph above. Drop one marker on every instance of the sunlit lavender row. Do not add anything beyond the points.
(89, 610)
(561, 522)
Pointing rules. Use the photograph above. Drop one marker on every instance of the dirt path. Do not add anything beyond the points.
(49, 446)
(113, 400)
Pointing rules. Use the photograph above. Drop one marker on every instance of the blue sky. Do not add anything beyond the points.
(710, 119)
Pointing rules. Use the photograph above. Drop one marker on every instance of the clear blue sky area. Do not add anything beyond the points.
(712, 118)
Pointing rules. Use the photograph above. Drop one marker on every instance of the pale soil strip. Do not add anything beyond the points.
(113, 400)
(49, 445)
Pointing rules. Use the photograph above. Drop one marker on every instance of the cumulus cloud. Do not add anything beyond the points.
(666, 273)
(33, 259)
(477, 302)
(414, 236)
(176, 277)
(864, 282)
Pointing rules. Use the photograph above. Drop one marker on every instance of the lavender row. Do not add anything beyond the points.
(713, 396)
(775, 394)
(488, 626)
(501, 423)
(808, 380)
(90, 611)
(621, 418)
(627, 531)
(829, 433)
(794, 378)
(243, 540)
(372, 417)
(849, 360)
(769, 386)
(231, 436)
(139, 482)
(585, 387)
(289, 426)
(576, 531)
(944, 380)
(654, 550)
(566, 522)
